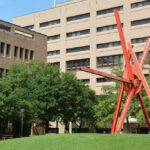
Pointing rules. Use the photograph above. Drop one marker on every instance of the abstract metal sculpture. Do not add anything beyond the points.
(131, 82)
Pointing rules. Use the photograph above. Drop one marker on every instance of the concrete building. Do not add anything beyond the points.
(84, 33)
(20, 44)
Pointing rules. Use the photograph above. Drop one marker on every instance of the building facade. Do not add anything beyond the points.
(20, 44)
(84, 33)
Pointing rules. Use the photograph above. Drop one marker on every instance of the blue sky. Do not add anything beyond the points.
(12, 8)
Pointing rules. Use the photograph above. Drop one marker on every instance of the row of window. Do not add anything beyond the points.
(99, 46)
(87, 15)
(140, 22)
(101, 80)
(78, 33)
(6, 28)
(29, 27)
(56, 64)
(77, 17)
(51, 53)
(70, 34)
(78, 49)
(107, 61)
(109, 10)
(99, 29)
(86, 81)
(23, 53)
(98, 80)
(5, 49)
(54, 37)
(139, 40)
(69, 50)
(74, 64)
(110, 44)
(50, 23)
(107, 28)
(140, 4)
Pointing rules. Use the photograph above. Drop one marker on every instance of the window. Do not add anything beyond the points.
(140, 4)
(107, 28)
(15, 51)
(31, 55)
(29, 27)
(26, 54)
(107, 61)
(85, 81)
(51, 53)
(139, 40)
(7, 70)
(74, 64)
(1, 72)
(2, 48)
(101, 80)
(50, 23)
(138, 56)
(140, 22)
(6, 28)
(78, 49)
(77, 33)
(110, 10)
(8, 50)
(54, 37)
(21, 52)
(56, 64)
(106, 45)
(78, 17)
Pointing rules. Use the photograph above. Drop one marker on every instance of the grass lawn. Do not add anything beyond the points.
(79, 142)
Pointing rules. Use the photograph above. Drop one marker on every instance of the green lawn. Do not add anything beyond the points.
(79, 142)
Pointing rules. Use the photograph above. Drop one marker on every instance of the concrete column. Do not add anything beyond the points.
(93, 42)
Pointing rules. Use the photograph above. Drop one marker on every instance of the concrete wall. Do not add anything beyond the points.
(21, 38)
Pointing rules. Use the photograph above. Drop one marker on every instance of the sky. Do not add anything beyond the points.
(13, 8)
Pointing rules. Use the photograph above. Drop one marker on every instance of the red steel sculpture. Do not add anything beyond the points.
(131, 82)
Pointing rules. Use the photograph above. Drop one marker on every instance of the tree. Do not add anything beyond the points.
(76, 101)
(44, 93)
(32, 86)
(107, 103)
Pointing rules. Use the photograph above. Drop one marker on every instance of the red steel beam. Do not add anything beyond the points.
(125, 110)
(145, 53)
(139, 70)
(117, 109)
(144, 109)
(122, 39)
(85, 69)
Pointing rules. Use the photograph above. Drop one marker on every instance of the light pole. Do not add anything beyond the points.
(70, 127)
(22, 115)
